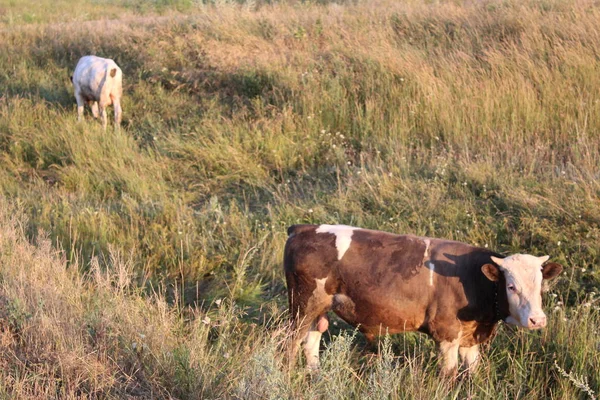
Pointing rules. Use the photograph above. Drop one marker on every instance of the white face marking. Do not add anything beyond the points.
(343, 236)
(523, 275)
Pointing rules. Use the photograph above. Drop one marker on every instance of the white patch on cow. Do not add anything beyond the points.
(431, 266)
(320, 285)
(449, 354)
(523, 275)
(343, 236)
(311, 348)
(427, 262)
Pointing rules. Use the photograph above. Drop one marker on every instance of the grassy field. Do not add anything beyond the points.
(147, 262)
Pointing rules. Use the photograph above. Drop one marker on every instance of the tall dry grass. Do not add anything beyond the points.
(469, 121)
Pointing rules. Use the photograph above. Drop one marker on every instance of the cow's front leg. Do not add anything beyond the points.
(470, 358)
(449, 357)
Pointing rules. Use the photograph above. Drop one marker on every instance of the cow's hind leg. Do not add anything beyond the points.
(312, 341)
(309, 321)
(103, 116)
(94, 107)
(80, 104)
(118, 111)
(307, 331)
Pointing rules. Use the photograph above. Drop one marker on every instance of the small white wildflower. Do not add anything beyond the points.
(486, 245)
(226, 355)
(309, 117)
(154, 138)
(179, 232)
(349, 163)
(558, 243)
(310, 210)
(218, 302)
(390, 174)
(322, 131)
(206, 320)
(334, 146)
(341, 136)
(559, 303)
(583, 269)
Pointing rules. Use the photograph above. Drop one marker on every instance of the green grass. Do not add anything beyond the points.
(476, 122)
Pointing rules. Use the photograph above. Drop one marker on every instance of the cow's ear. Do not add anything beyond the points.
(491, 272)
(113, 72)
(551, 270)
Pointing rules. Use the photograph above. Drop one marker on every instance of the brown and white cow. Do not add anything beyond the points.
(386, 283)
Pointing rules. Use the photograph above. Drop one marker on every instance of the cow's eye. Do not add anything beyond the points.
(512, 288)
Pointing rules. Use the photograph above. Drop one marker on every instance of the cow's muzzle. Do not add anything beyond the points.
(536, 322)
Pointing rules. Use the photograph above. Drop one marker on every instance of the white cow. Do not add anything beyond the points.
(99, 82)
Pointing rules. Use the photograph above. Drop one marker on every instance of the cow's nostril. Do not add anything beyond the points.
(537, 322)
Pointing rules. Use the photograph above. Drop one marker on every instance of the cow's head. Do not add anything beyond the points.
(523, 275)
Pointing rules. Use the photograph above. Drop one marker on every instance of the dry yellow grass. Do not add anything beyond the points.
(475, 121)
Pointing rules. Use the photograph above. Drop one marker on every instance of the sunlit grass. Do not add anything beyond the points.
(153, 253)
